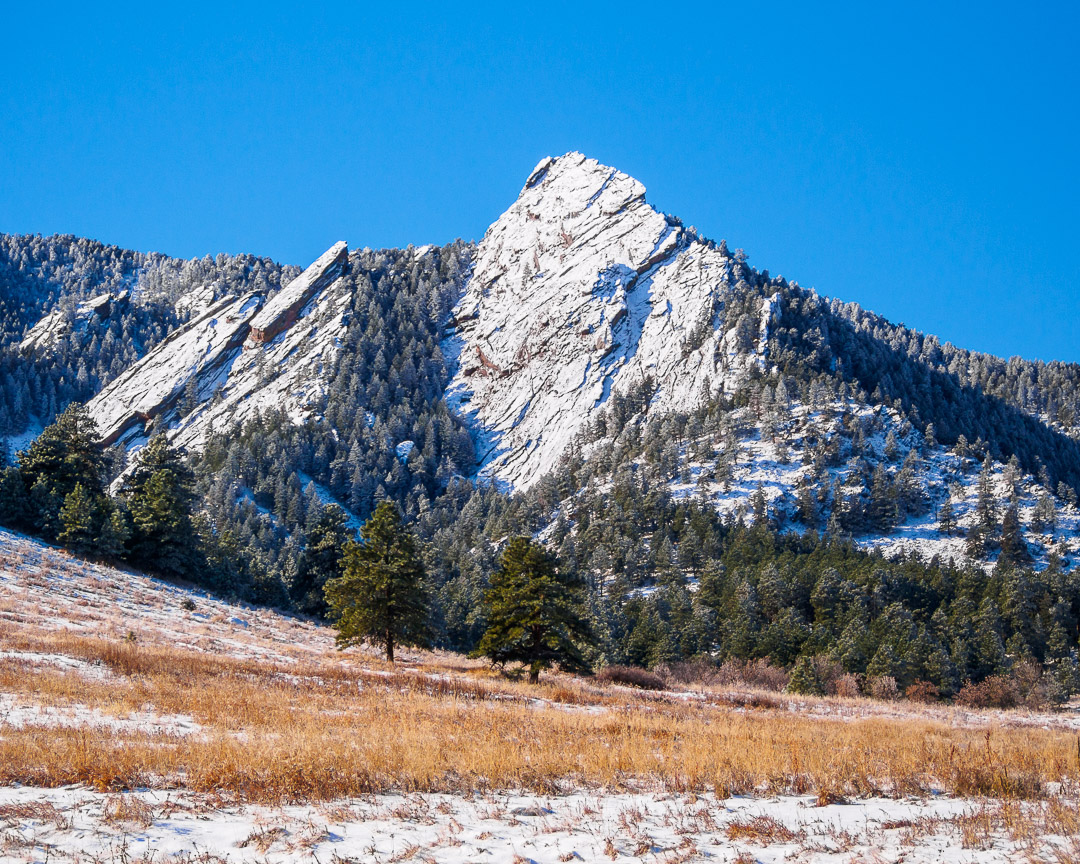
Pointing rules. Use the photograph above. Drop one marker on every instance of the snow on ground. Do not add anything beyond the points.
(77, 824)
(20, 714)
(45, 586)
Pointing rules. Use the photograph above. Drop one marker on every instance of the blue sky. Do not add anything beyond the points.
(920, 160)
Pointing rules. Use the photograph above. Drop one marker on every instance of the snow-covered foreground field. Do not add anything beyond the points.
(79, 825)
(141, 721)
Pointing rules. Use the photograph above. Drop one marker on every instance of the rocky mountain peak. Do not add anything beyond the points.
(582, 289)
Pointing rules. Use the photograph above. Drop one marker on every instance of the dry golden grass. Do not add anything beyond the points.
(326, 728)
(282, 717)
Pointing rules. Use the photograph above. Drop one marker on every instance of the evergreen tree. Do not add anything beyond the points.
(159, 494)
(882, 510)
(14, 505)
(946, 518)
(381, 596)
(78, 521)
(321, 561)
(805, 679)
(534, 612)
(66, 453)
(115, 530)
(1013, 548)
(986, 507)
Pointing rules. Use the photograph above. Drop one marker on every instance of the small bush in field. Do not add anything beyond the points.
(631, 676)
(699, 671)
(883, 687)
(753, 673)
(1033, 688)
(925, 692)
(847, 686)
(997, 691)
(829, 672)
(188, 604)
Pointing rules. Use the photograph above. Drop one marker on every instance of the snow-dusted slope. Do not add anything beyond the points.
(582, 289)
(58, 324)
(156, 384)
(214, 372)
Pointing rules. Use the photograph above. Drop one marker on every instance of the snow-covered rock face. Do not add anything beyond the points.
(58, 323)
(215, 372)
(582, 289)
(281, 312)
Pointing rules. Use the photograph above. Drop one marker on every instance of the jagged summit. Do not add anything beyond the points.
(582, 289)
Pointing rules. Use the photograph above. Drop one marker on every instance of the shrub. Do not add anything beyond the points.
(829, 672)
(699, 671)
(883, 687)
(925, 692)
(752, 673)
(630, 676)
(1033, 688)
(997, 691)
(847, 686)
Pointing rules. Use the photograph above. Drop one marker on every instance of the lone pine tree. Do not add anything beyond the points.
(534, 612)
(381, 596)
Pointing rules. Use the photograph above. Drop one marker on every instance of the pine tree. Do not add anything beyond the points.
(66, 453)
(1045, 517)
(806, 508)
(1014, 550)
(986, 507)
(805, 679)
(115, 530)
(78, 521)
(882, 510)
(759, 506)
(14, 505)
(322, 559)
(534, 612)
(946, 518)
(381, 596)
(159, 493)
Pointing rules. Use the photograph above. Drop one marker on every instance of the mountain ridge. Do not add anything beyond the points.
(583, 322)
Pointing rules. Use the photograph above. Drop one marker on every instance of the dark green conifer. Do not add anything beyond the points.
(78, 521)
(160, 493)
(381, 596)
(534, 612)
(322, 559)
(66, 453)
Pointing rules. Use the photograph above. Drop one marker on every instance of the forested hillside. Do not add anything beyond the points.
(51, 277)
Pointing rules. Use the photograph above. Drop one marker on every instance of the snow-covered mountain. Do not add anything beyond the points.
(239, 356)
(582, 300)
(582, 289)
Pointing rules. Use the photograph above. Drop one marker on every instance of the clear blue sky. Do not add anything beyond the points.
(922, 160)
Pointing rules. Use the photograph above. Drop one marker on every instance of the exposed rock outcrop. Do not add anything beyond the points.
(582, 289)
(59, 323)
(281, 312)
(200, 379)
